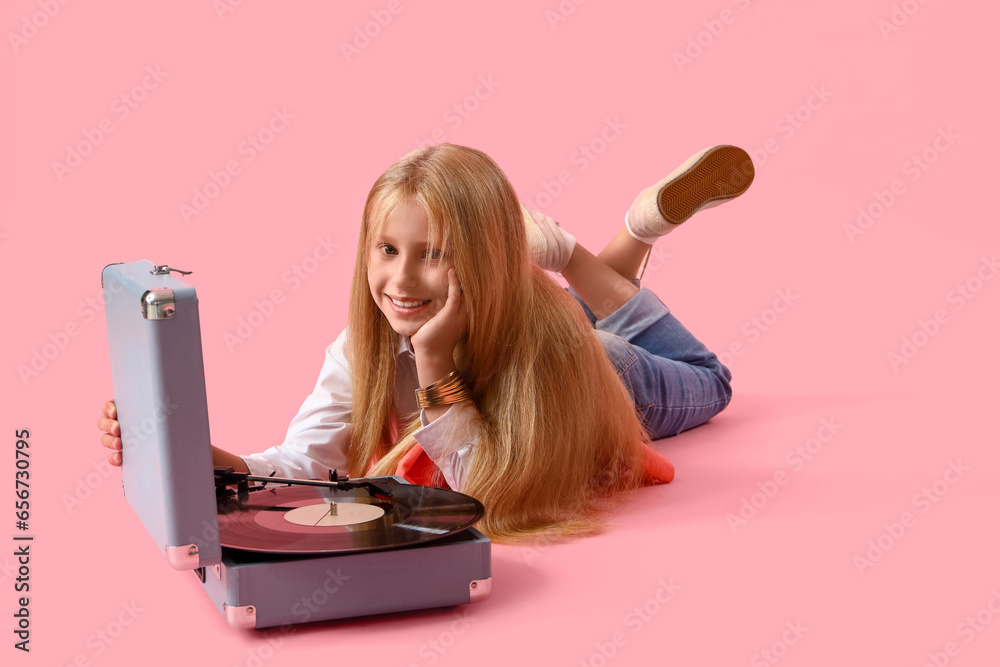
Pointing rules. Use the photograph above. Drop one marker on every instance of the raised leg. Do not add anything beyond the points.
(626, 255)
(708, 178)
(601, 287)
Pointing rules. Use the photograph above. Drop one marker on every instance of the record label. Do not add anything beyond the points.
(333, 514)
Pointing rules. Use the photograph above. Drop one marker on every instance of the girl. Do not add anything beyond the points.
(465, 365)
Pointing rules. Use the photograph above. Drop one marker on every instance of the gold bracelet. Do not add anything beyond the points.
(449, 389)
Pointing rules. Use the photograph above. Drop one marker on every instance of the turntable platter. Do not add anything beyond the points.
(310, 520)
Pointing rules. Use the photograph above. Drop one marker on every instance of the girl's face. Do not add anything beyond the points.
(408, 279)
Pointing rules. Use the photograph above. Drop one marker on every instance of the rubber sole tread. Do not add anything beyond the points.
(722, 173)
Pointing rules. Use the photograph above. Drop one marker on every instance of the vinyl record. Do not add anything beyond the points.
(310, 520)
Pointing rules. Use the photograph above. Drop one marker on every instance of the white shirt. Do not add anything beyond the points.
(319, 435)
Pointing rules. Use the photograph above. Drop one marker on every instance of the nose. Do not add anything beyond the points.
(406, 273)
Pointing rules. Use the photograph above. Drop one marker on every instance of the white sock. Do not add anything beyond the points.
(638, 237)
(650, 235)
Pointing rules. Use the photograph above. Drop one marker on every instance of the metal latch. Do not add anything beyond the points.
(164, 270)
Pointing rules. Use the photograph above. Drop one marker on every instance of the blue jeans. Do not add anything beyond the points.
(675, 381)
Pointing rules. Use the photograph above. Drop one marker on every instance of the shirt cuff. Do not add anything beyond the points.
(450, 440)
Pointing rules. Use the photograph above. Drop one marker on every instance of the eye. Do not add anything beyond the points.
(434, 253)
(386, 249)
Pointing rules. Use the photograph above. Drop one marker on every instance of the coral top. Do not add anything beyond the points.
(418, 468)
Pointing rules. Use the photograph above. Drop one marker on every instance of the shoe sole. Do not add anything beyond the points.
(721, 174)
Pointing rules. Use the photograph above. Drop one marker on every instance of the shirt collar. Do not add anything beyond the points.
(405, 347)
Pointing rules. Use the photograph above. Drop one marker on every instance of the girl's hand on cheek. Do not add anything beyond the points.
(438, 336)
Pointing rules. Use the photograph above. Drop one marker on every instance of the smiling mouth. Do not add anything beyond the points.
(409, 304)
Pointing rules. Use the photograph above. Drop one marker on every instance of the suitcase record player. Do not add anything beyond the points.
(267, 551)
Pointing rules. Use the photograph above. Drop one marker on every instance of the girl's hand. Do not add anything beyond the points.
(111, 438)
(112, 431)
(438, 336)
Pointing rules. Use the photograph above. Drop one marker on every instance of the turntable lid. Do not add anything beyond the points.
(154, 337)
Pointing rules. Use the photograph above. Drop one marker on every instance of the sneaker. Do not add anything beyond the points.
(708, 178)
(550, 244)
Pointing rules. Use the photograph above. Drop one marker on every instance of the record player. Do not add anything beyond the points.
(267, 553)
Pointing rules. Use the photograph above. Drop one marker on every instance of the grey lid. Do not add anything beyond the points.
(154, 336)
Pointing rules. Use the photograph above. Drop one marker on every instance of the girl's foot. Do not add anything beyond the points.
(550, 244)
(708, 178)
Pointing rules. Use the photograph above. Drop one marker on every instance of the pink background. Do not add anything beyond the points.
(754, 68)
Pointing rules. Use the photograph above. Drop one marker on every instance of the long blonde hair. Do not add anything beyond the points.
(559, 434)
